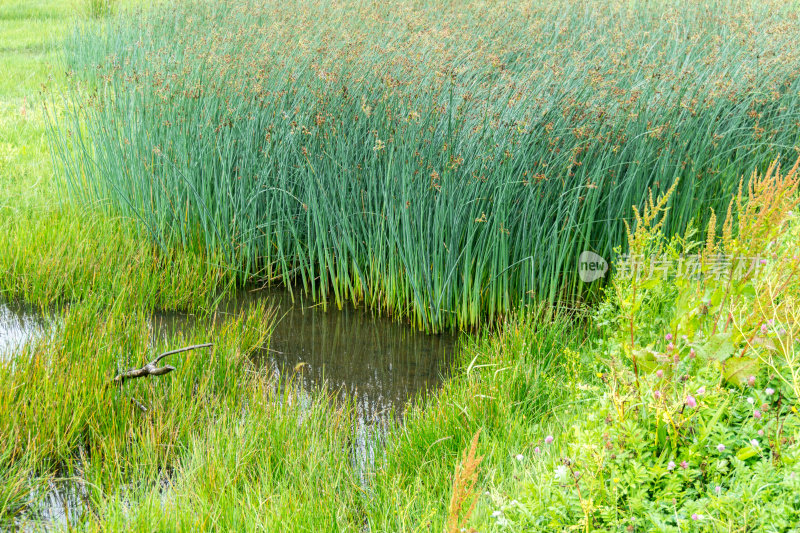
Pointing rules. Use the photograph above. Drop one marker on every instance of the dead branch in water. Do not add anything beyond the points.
(150, 369)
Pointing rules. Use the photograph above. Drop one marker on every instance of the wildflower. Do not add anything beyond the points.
(760, 432)
(684, 465)
(513, 503)
(750, 400)
(537, 450)
(670, 347)
(696, 516)
(676, 359)
(756, 414)
(657, 394)
(754, 443)
(764, 406)
(691, 402)
(671, 465)
(549, 439)
(692, 353)
(519, 457)
(497, 514)
(660, 373)
(668, 336)
(763, 261)
(616, 480)
(764, 329)
(751, 380)
(701, 390)
(717, 489)
(720, 447)
(769, 391)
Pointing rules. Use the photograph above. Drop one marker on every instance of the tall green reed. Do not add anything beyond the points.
(441, 163)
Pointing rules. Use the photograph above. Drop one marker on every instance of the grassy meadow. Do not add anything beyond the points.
(441, 163)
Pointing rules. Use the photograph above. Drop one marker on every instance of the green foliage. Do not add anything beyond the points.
(67, 255)
(696, 424)
(375, 152)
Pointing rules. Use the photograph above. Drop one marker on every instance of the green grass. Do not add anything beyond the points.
(222, 445)
(442, 163)
(225, 447)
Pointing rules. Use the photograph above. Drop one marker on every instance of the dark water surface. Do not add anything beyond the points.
(379, 363)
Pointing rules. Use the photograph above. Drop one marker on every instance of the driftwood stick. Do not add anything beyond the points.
(150, 369)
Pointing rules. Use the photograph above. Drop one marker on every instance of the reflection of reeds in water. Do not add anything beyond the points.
(18, 326)
(441, 163)
(378, 363)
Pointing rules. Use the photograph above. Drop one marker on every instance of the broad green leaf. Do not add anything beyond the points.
(718, 347)
(737, 369)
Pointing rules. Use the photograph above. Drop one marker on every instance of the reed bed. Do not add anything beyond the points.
(440, 162)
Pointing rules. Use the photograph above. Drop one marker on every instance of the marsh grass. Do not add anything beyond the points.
(222, 444)
(56, 256)
(442, 163)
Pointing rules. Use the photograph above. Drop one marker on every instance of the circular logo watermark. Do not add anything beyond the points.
(591, 267)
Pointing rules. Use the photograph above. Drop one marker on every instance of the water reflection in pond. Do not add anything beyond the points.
(18, 325)
(381, 364)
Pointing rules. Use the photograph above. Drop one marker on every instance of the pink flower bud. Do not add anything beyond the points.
(670, 347)
(657, 394)
(668, 336)
(671, 465)
(691, 402)
(549, 439)
(751, 380)
(769, 391)
(720, 447)
(660, 373)
(692, 354)
(684, 465)
(701, 390)
(756, 414)
(760, 432)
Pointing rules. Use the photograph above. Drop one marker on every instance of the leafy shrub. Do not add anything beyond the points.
(694, 425)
